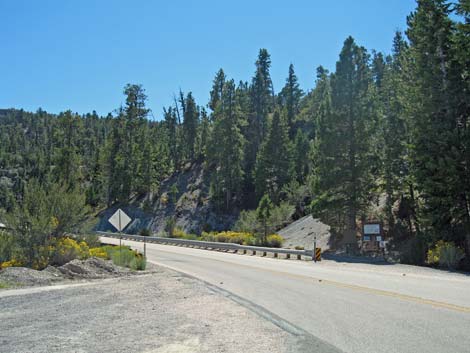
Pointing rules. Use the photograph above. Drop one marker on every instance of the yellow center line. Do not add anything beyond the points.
(381, 292)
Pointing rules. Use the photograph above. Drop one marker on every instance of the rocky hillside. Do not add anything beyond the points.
(303, 232)
(184, 196)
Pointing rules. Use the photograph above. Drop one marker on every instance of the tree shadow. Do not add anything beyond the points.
(345, 258)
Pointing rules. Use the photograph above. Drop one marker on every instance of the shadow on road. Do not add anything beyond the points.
(355, 259)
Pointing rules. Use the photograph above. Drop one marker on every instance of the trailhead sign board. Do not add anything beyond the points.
(119, 220)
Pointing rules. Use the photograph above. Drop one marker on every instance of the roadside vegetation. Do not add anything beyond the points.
(60, 251)
(39, 231)
(255, 227)
(242, 238)
(4, 285)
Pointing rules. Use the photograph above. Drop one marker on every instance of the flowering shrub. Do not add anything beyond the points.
(241, 238)
(67, 249)
(445, 255)
(60, 251)
(164, 199)
(274, 241)
(99, 252)
(11, 263)
(181, 234)
(43, 257)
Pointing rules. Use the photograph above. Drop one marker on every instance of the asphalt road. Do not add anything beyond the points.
(354, 307)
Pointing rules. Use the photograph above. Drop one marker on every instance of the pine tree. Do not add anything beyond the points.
(261, 104)
(217, 87)
(135, 113)
(301, 150)
(190, 126)
(147, 172)
(289, 99)
(393, 147)
(227, 146)
(113, 161)
(274, 161)
(439, 164)
(171, 129)
(68, 161)
(462, 94)
(345, 130)
(162, 163)
(263, 213)
(203, 135)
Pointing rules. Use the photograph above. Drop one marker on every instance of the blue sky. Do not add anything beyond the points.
(78, 55)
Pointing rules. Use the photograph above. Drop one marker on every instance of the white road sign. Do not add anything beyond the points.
(119, 220)
(371, 228)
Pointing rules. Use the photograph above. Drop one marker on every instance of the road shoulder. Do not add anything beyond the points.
(160, 312)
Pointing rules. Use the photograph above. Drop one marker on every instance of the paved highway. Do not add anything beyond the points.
(354, 307)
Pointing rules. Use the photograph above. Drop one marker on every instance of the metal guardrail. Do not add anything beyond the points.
(208, 245)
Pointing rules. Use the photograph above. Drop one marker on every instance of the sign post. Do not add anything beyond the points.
(371, 236)
(145, 249)
(315, 249)
(119, 220)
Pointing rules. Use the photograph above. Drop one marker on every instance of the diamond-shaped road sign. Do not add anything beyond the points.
(119, 220)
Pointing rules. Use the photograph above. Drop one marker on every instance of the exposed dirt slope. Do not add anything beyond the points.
(303, 231)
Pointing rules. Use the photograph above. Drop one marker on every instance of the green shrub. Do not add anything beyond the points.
(8, 246)
(179, 233)
(247, 222)
(445, 255)
(222, 238)
(138, 263)
(4, 285)
(250, 240)
(170, 225)
(145, 232)
(206, 236)
(279, 216)
(92, 240)
(123, 257)
(110, 249)
(413, 251)
(274, 241)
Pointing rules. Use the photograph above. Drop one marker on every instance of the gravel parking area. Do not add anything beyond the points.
(160, 312)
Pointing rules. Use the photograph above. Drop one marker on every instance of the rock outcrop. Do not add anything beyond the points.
(183, 197)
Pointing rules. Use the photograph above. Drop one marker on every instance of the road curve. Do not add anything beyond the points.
(354, 307)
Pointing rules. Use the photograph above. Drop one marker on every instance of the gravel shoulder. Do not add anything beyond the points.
(162, 311)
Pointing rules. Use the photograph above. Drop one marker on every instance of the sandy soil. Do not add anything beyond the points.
(160, 312)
